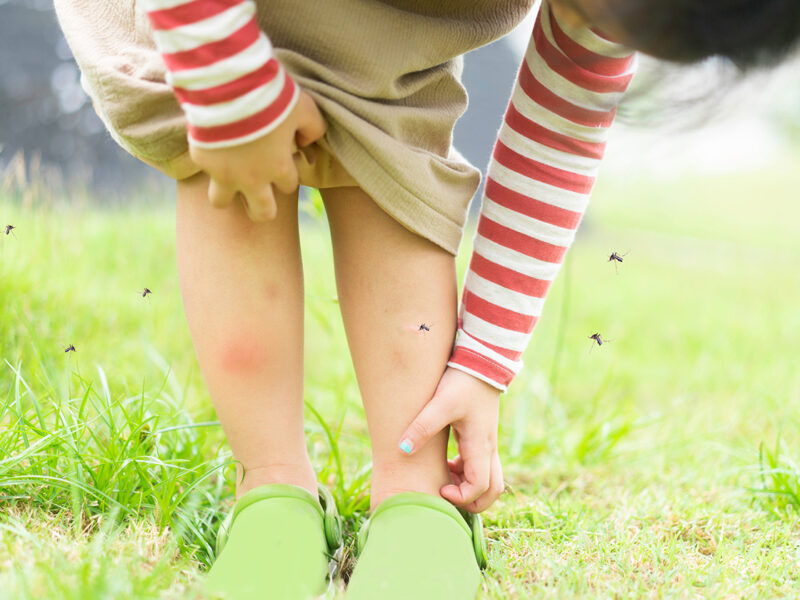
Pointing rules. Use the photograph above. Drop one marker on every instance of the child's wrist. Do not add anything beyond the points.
(238, 126)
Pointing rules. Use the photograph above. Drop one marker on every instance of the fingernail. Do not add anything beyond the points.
(406, 446)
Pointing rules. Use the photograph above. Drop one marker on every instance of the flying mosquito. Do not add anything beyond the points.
(597, 338)
(9, 229)
(145, 291)
(69, 348)
(616, 257)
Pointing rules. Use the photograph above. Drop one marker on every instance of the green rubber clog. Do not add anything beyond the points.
(276, 544)
(418, 546)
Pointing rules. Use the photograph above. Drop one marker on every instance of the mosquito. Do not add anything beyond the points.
(597, 338)
(9, 229)
(146, 291)
(423, 327)
(616, 257)
(69, 348)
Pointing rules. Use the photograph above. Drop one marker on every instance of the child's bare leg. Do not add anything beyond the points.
(242, 288)
(390, 283)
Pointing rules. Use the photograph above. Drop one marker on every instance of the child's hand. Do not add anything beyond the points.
(255, 167)
(471, 407)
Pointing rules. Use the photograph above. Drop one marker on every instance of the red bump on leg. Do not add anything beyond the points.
(243, 355)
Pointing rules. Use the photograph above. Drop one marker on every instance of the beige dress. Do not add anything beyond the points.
(386, 75)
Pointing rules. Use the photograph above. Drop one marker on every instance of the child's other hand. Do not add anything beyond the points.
(471, 408)
(253, 168)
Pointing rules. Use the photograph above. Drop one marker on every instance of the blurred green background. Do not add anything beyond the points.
(660, 465)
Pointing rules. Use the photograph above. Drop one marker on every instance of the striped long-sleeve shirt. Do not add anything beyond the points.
(232, 89)
(541, 174)
(222, 69)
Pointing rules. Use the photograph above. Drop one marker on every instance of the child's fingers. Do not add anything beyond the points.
(260, 204)
(458, 478)
(496, 487)
(311, 125)
(433, 417)
(456, 468)
(285, 178)
(220, 195)
(477, 472)
(456, 464)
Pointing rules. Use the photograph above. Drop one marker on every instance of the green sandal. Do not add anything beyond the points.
(418, 546)
(276, 543)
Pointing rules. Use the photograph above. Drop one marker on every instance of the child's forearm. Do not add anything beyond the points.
(541, 174)
(222, 69)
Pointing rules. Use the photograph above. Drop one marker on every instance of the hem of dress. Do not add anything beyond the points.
(411, 209)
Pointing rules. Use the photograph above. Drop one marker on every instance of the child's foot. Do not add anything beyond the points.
(276, 544)
(417, 546)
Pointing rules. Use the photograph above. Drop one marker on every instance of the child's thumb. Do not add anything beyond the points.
(431, 420)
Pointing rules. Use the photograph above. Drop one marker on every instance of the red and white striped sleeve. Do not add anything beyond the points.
(542, 171)
(222, 69)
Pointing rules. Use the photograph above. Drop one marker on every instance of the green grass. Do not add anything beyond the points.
(663, 464)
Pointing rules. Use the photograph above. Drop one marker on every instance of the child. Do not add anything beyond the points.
(359, 98)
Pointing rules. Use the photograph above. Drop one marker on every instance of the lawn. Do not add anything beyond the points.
(658, 465)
